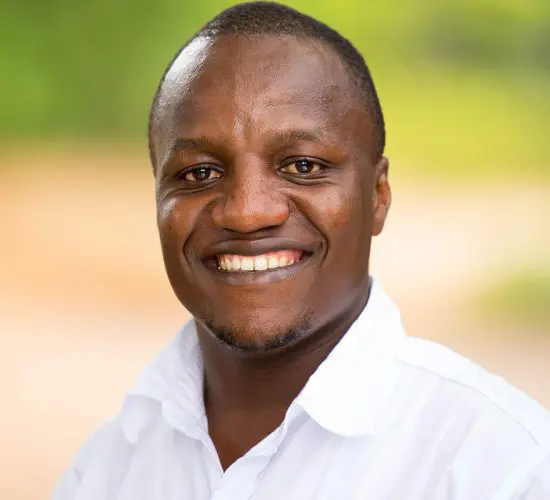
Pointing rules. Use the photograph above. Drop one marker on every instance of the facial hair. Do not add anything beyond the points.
(232, 337)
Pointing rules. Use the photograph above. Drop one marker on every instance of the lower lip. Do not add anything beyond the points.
(247, 278)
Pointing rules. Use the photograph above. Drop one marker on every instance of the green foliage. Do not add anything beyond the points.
(464, 83)
(521, 298)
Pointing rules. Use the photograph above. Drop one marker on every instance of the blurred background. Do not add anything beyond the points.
(84, 302)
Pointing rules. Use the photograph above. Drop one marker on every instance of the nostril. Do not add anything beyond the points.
(250, 213)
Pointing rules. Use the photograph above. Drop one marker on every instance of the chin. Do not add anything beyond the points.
(254, 336)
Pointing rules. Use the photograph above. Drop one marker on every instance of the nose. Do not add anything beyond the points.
(251, 201)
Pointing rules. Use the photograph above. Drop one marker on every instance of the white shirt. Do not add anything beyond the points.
(385, 416)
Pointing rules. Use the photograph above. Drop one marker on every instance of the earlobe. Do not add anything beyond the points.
(381, 196)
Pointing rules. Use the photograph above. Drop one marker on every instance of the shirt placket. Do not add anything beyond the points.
(240, 480)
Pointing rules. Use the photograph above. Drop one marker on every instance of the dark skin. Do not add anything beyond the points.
(265, 144)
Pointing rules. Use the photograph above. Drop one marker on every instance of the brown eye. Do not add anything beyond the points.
(201, 174)
(302, 167)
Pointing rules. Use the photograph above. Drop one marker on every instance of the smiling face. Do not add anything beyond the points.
(268, 189)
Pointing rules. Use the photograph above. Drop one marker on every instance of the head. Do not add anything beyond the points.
(267, 144)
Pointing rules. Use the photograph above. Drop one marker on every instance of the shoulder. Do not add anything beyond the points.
(489, 429)
(101, 442)
(440, 370)
(105, 442)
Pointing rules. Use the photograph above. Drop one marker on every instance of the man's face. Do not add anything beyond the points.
(267, 192)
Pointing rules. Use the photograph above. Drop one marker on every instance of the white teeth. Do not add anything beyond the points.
(260, 263)
(247, 264)
(273, 263)
(264, 262)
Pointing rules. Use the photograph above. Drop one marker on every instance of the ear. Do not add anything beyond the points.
(381, 196)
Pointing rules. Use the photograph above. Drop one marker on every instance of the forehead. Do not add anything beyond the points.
(260, 82)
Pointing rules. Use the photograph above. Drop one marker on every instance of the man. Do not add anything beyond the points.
(294, 379)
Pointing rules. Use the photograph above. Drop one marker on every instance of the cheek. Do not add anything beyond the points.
(165, 209)
(166, 221)
(343, 215)
(174, 222)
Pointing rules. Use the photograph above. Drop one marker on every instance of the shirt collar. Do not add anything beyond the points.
(344, 395)
(349, 389)
(173, 384)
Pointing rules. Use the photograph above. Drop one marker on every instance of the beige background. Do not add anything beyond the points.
(84, 302)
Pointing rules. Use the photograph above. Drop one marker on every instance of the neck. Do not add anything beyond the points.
(247, 394)
(256, 381)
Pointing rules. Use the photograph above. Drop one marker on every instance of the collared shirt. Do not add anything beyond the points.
(384, 417)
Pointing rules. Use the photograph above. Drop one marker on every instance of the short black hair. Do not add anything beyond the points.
(271, 18)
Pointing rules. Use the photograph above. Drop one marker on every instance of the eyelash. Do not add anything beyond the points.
(321, 165)
(212, 168)
(183, 173)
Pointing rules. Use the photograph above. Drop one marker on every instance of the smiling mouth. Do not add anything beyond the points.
(232, 263)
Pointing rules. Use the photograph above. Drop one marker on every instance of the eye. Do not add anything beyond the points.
(201, 174)
(302, 167)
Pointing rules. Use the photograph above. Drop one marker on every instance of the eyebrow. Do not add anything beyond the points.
(289, 137)
(279, 140)
(185, 143)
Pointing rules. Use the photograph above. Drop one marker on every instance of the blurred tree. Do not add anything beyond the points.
(89, 69)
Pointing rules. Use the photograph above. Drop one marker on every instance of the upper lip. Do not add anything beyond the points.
(256, 247)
